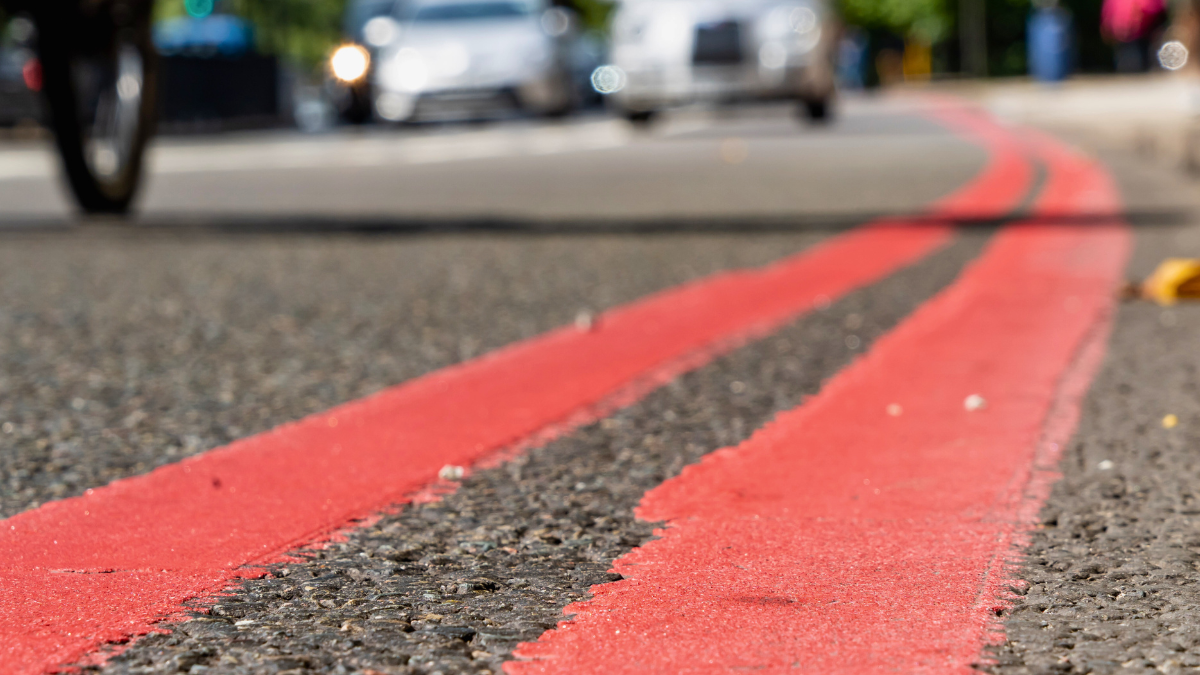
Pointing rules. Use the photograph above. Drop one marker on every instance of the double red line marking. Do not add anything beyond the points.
(84, 572)
(870, 529)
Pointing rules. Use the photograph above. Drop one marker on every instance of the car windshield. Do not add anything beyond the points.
(471, 11)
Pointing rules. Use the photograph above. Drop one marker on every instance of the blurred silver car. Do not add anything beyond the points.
(461, 59)
(671, 52)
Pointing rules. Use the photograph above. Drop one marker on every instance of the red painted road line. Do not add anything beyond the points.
(845, 539)
(79, 573)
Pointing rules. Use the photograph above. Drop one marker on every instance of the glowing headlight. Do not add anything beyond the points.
(349, 63)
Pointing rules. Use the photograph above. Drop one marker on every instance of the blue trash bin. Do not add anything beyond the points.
(1049, 39)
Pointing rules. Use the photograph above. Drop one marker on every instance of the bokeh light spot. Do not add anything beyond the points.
(198, 8)
(608, 79)
(1173, 55)
(350, 63)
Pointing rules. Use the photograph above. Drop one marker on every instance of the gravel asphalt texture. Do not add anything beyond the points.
(453, 586)
(123, 350)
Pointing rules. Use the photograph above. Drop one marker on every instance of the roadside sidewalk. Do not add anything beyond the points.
(1155, 116)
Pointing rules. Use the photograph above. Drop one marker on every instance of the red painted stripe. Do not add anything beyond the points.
(843, 539)
(82, 572)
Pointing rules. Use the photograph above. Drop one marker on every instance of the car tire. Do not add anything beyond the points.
(100, 74)
(817, 110)
(640, 117)
(358, 110)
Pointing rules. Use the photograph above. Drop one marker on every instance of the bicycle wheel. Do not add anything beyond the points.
(99, 70)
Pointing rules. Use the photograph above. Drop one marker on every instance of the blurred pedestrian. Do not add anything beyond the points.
(1128, 24)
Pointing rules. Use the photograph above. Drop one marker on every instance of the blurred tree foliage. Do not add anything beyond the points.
(305, 31)
(594, 13)
(1093, 54)
(1006, 21)
(935, 22)
(927, 20)
(301, 30)
(1007, 52)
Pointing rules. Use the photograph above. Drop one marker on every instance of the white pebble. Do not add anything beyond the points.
(451, 472)
(975, 402)
(584, 321)
(1106, 465)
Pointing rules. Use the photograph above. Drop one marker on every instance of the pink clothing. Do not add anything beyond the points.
(1128, 20)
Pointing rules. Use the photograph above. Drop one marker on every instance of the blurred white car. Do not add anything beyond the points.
(461, 59)
(671, 52)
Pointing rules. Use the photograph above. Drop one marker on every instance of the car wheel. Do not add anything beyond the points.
(100, 77)
(816, 110)
(640, 117)
(358, 107)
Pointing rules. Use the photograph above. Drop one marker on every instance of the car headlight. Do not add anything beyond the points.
(349, 63)
(406, 71)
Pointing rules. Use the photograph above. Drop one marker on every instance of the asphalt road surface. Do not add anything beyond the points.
(271, 276)
(760, 164)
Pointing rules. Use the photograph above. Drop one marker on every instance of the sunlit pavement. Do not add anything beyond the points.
(1152, 116)
(246, 294)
